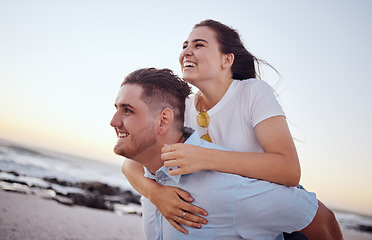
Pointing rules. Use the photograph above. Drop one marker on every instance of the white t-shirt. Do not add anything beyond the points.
(232, 120)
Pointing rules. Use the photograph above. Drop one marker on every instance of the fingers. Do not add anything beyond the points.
(180, 212)
(174, 172)
(185, 195)
(191, 220)
(186, 221)
(178, 167)
(189, 207)
(177, 226)
(192, 209)
(169, 148)
(166, 154)
(189, 215)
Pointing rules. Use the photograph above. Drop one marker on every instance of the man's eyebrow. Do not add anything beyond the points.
(196, 40)
(123, 105)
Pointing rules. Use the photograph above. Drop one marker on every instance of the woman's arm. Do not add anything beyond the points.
(279, 163)
(168, 200)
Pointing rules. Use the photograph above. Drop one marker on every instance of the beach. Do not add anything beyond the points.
(25, 216)
(356, 236)
(46, 195)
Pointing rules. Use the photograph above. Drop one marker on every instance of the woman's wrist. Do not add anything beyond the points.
(153, 189)
(212, 157)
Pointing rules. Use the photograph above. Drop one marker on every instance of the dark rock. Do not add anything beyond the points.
(102, 188)
(294, 236)
(14, 173)
(130, 197)
(94, 194)
(365, 228)
(14, 190)
(62, 200)
(90, 199)
(14, 181)
(59, 182)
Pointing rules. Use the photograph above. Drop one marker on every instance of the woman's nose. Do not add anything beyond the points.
(186, 52)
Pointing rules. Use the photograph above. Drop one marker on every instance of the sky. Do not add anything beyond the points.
(62, 62)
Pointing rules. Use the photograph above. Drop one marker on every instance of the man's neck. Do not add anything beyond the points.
(151, 158)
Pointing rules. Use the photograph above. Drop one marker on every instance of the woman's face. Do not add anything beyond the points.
(201, 58)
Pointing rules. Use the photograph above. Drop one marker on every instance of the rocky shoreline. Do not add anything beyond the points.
(88, 194)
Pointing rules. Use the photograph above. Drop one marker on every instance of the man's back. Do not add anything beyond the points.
(237, 207)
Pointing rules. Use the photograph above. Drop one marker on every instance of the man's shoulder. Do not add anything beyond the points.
(207, 144)
(192, 138)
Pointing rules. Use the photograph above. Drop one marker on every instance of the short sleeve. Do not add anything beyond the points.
(264, 103)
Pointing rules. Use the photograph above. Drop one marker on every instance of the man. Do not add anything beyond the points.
(150, 113)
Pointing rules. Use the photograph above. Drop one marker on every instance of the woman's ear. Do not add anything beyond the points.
(166, 118)
(228, 60)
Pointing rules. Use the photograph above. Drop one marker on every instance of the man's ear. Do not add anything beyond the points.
(166, 118)
(228, 60)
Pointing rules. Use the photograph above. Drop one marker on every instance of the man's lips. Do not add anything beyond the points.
(123, 134)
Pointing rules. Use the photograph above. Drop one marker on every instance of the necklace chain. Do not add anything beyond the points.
(199, 103)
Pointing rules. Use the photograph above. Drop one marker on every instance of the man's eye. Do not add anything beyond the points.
(127, 110)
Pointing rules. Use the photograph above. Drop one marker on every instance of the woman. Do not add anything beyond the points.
(243, 116)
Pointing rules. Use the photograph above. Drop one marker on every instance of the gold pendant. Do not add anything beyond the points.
(203, 119)
(206, 137)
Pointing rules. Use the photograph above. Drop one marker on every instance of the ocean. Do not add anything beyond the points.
(34, 168)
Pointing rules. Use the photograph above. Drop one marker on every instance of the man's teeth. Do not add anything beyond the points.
(189, 64)
(123, 135)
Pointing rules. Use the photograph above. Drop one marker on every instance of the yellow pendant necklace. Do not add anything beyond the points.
(203, 119)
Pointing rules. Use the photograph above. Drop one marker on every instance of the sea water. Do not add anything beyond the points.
(37, 164)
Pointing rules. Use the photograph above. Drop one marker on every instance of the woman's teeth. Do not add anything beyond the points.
(189, 64)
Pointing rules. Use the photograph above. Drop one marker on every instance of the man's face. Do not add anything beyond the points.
(132, 121)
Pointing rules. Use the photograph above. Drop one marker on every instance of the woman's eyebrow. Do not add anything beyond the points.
(199, 40)
(196, 40)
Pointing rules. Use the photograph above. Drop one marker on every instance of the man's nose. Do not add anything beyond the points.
(115, 121)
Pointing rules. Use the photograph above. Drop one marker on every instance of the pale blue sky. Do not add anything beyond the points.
(61, 64)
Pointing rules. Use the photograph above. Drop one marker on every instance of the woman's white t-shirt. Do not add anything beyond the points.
(232, 120)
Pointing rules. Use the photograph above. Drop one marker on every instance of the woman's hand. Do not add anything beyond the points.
(171, 202)
(187, 158)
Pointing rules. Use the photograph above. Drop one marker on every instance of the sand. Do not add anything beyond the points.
(352, 235)
(31, 217)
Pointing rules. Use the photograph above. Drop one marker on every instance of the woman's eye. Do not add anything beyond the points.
(184, 46)
(198, 45)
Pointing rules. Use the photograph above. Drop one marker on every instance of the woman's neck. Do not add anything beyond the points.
(212, 93)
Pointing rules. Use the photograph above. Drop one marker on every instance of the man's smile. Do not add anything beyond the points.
(122, 135)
